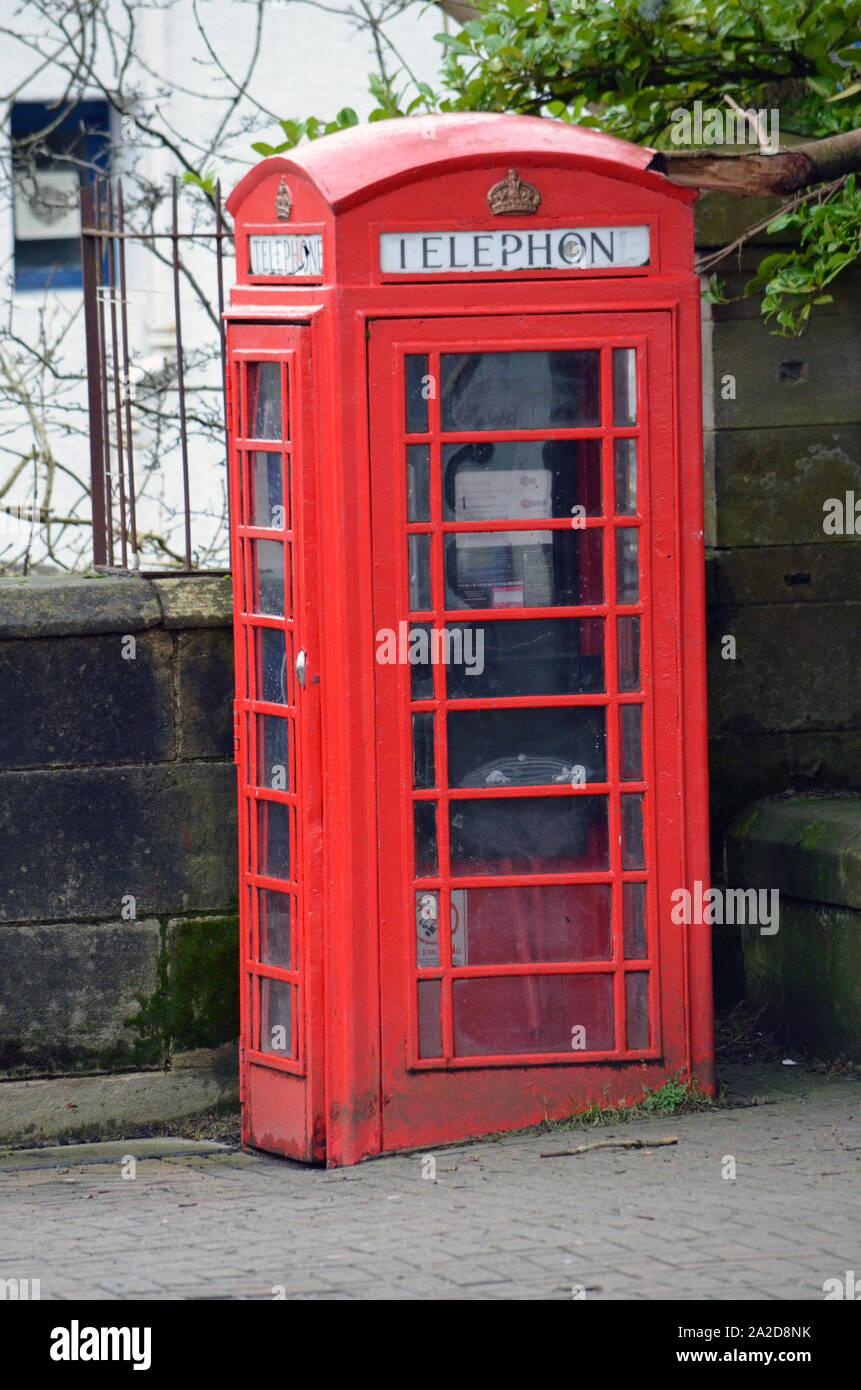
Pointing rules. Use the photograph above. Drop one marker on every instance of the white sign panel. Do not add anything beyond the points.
(47, 205)
(513, 248)
(294, 253)
(427, 927)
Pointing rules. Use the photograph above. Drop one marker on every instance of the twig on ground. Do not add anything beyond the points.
(608, 1144)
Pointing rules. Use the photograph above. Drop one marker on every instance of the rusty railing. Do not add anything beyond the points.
(115, 414)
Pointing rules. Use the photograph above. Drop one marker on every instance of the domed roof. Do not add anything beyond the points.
(354, 165)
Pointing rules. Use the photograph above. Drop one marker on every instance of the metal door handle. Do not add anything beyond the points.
(300, 668)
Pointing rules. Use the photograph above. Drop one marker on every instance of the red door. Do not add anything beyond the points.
(529, 762)
(278, 753)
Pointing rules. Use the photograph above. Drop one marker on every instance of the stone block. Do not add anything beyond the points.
(74, 843)
(780, 574)
(97, 1107)
(79, 700)
(744, 767)
(67, 990)
(204, 693)
(204, 600)
(60, 605)
(806, 980)
(808, 847)
(720, 218)
(783, 382)
(796, 668)
(771, 484)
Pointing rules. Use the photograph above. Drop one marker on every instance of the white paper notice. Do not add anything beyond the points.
(504, 494)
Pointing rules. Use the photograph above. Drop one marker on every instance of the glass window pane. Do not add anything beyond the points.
(520, 390)
(264, 400)
(628, 633)
(535, 656)
(637, 1010)
(417, 389)
(624, 386)
(419, 652)
(273, 753)
(273, 839)
(521, 479)
(530, 924)
(418, 482)
(429, 1000)
(273, 674)
(511, 1015)
(633, 853)
(527, 747)
(274, 927)
(424, 821)
(532, 834)
(627, 565)
(420, 583)
(625, 468)
(276, 1017)
(631, 742)
(424, 774)
(523, 569)
(266, 507)
(634, 920)
(267, 568)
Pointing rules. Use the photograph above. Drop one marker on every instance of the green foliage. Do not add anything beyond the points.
(793, 282)
(678, 1095)
(627, 66)
(206, 182)
(310, 129)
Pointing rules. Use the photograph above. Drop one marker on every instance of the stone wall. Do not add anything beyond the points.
(783, 435)
(118, 871)
(804, 980)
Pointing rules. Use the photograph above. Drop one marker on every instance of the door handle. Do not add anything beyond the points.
(300, 668)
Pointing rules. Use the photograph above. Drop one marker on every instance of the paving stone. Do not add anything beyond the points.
(233, 1227)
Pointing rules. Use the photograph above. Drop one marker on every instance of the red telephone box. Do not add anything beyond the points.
(465, 473)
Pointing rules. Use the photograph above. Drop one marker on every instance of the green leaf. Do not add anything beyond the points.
(456, 44)
(847, 92)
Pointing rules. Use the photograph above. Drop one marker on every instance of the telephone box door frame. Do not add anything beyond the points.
(277, 728)
(428, 1099)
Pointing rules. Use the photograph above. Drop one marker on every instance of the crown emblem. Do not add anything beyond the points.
(513, 194)
(283, 202)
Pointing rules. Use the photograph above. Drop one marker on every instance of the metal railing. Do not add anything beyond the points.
(113, 410)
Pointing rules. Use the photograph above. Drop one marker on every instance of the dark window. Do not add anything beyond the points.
(54, 152)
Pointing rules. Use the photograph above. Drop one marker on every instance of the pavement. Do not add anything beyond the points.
(485, 1220)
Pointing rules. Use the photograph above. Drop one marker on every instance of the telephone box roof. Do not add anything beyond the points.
(357, 164)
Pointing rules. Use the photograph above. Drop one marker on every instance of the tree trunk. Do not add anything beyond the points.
(761, 175)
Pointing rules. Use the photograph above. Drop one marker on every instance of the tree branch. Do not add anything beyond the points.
(764, 175)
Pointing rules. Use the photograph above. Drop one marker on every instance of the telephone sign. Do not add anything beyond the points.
(525, 249)
(467, 553)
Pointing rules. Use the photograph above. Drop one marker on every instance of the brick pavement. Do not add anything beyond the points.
(499, 1221)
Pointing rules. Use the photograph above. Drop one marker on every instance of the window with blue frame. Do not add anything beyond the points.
(55, 151)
